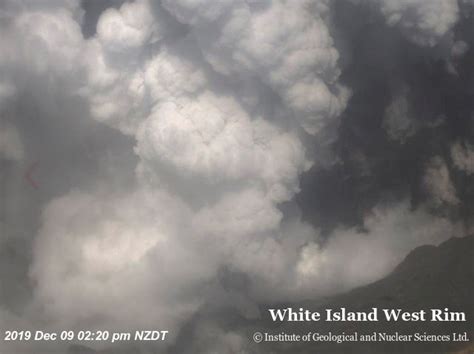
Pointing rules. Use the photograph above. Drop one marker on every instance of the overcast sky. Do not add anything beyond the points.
(161, 159)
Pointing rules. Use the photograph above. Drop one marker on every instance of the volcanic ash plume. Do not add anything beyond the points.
(211, 106)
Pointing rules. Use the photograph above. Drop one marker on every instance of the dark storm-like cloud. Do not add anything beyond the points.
(411, 105)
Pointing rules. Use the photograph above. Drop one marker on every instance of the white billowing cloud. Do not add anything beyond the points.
(129, 259)
(116, 93)
(286, 44)
(243, 214)
(463, 157)
(11, 147)
(171, 77)
(115, 85)
(37, 45)
(147, 259)
(49, 41)
(423, 22)
(10, 9)
(248, 230)
(97, 259)
(437, 181)
(398, 121)
(352, 257)
(128, 28)
(211, 137)
(40, 45)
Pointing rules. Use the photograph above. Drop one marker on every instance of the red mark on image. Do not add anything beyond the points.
(28, 176)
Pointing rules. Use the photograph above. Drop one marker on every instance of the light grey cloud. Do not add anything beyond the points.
(194, 130)
(297, 58)
(463, 157)
(437, 181)
(352, 257)
(424, 22)
(398, 121)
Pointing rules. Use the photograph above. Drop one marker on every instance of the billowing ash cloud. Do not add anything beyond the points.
(463, 157)
(169, 142)
(438, 182)
(297, 58)
(352, 256)
(204, 144)
(424, 22)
